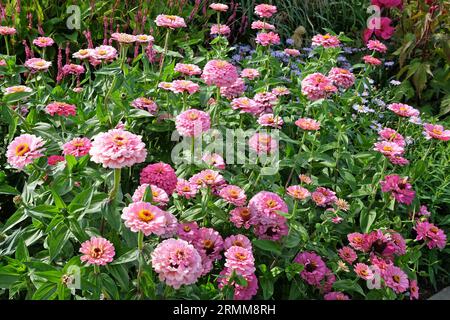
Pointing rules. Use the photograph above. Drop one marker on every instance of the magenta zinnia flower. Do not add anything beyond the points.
(209, 244)
(314, 267)
(240, 292)
(117, 148)
(432, 235)
(98, 251)
(24, 149)
(399, 188)
(177, 263)
(347, 254)
(187, 230)
(161, 175)
(335, 296)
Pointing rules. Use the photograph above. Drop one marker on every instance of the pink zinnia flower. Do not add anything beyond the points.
(208, 178)
(323, 196)
(117, 148)
(424, 211)
(266, 203)
(37, 64)
(267, 38)
(280, 91)
(238, 240)
(144, 217)
(263, 144)
(265, 10)
(372, 60)
(341, 77)
(240, 260)
(24, 149)
(77, 147)
(177, 262)
(104, 53)
(432, 235)
(399, 188)
(269, 120)
(144, 38)
(389, 149)
(240, 292)
(363, 271)
(83, 54)
(188, 69)
(298, 192)
(388, 134)
(2, 63)
(413, 290)
(233, 91)
(305, 179)
(192, 123)
(241, 217)
(250, 73)
(384, 30)
(98, 251)
(123, 38)
(261, 25)
(55, 159)
(168, 21)
(234, 195)
(326, 41)
(246, 105)
(347, 254)
(219, 73)
(398, 160)
(376, 45)
(7, 31)
(16, 89)
(292, 52)
(314, 267)
(145, 104)
(308, 124)
(388, 3)
(396, 279)
(161, 175)
(180, 86)
(219, 7)
(186, 189)
(272, 227)
(436, 131)
(403, 110)
(220, 29)
(358, 241)
(316, 86)
(43, 42)
(74, 69)
(61, 109)
(159, 196)
(335, 296)
(266, 101)
(209, 243)
(187, 230)
(215, 160)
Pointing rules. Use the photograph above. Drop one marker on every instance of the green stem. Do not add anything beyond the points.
(166, 45)
(115, 189)
(7, 46)
(295, 162)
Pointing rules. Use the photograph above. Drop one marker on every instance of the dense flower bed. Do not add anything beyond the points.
(132, 189)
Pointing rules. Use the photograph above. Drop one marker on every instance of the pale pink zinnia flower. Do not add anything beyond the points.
(192, 123)
(117, 148)
(265, 10)
(403, 110)
(250, 73)
(186, 189)
(187, 230)
(267, 38)
(220, 29)
(144, 217)
(372, 61)
(43, 42)
(169, 21)
(144, 38)
(61, 109)
(266, 203)
(83, 54)
(145, 104)
(37, 64)
(396, 279)
(104, 53)
(207, 178)
(292, 52)
(341, 77)
(188, 69)
(269, 120)
(436, 132)
(323, 197)
(7, 31)
(77, 147)
(233, 91)
(305, 179)
(246, 105)
(234, 195)
(308, 124)
(124, 38)
(389, 148)
(159, 196)
(181, 86)
(177, 262)
(219, 73)
(376, 45)
(238, 240)
(161, 175)
(326, 41)
(98, 251)
(214, 160)
(266, 101)
(263, 143)
(358, 241)
(240, 260)
(24, 149)
(241, 292)
(241, 217)
(261, 25)
(17, 89)
(317, 86)
(219, 7)
(280, 91)
(298, 192)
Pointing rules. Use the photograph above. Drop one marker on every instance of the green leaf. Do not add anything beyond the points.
(6, 189)
(46, 291)
(348, 286)
(57, 239)
(22, 251)
(128, 256)
(268, 245)
(366, 220)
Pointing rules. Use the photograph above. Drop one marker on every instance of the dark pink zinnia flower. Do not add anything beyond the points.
(161, 175)
(314, 267)
(399, 188)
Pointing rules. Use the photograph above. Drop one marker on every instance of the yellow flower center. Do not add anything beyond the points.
(21, 149)
(437, 131)
(271, 203)
(387, 148)
(119, 140)
(240, 256)
(193, 116)
(96, 252)
(146, 215)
